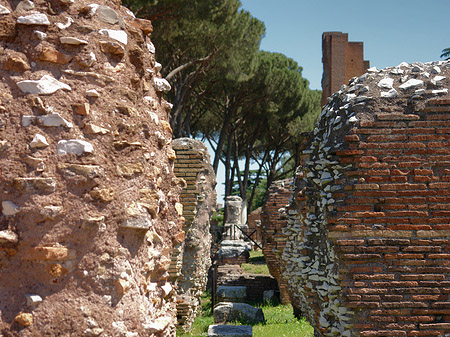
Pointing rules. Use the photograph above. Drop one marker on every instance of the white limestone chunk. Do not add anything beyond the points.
(33, 300)
(38, 141)
(353, 119)
(437, 79)
(440, 92)
(373, 70)
(411, 84)
(54, 120)
(151, 47)
(118, 35)
(436, 70)
(389, 94)
(45, 86)
(158, 66)
(386, 83)
(63, 26)
(75, 146)
(27, 120)
(93, 9)
(92, 93)
(161, 84)
(72, 40)
(397, 71)
(4, 10)
(34, 19)
(9, 208)
(40, 35)
(8, 236)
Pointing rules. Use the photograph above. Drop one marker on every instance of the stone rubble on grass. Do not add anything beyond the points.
(230, 331)
(225, 312)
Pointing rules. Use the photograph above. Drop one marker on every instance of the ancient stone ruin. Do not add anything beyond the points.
(368, 230)
(198, 198)
(273, 220)
(90, 210)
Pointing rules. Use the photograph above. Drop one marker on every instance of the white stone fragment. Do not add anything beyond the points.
(75, 146)
(403, 64)
(27, 120)
(33, 300)
(34, 19)
(440, 92)
(436, 70)
(72, 40)
(4, 10)
(373, 70)
(151, 47)
(62, 26)
(389, 94)
(419, 92)
(158, 66)
(8, 236)
(437, 79)
(38, 141)
(353, 119)
(118, 35)
(397, 71)
(92, 93)
(411, 84)
(54, 119)
(93, 9)
(386, 83)
(161, 84)
(40, 35)
(9, 208)
(167, 288)
(45, 86)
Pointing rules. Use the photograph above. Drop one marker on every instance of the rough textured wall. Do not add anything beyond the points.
(367, 253)
(341, 60)
(273, 221)
(199, 200)
(87, 186)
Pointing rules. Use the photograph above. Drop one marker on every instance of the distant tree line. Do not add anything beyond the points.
(252, 106)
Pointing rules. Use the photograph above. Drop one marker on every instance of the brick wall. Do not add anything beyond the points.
(273, 220)
(341, 60)
(369, 238)
(191, 259)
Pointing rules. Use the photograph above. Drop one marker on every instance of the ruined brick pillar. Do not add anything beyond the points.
(273, 220)
(341, 60)
(198, 198)
(368, 230)
(89, 200)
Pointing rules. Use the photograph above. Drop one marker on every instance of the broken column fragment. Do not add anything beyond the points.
(368, 226)
(88, 192)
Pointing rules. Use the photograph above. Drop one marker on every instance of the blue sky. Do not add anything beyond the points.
(393, 31)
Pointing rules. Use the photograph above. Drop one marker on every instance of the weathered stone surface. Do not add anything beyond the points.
(118, 35)
(45, 86)
(34, 19)
(225, 312)
(75, 146)
(112, 48)
(8, 236)
(193, 244)
(9, 208)
(67, 243)
(231, 293)
(38, 142)
(161, 84)
(4, 10)
(230, 331)
(24, 319)
(234, 248)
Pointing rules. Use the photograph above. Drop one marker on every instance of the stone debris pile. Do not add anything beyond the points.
(90, 203)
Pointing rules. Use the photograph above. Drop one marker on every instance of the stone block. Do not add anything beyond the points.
(231, 293)
(242, 312)
(230, 331)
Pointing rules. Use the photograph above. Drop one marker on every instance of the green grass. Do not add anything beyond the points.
(256, 264)
(280, 321)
